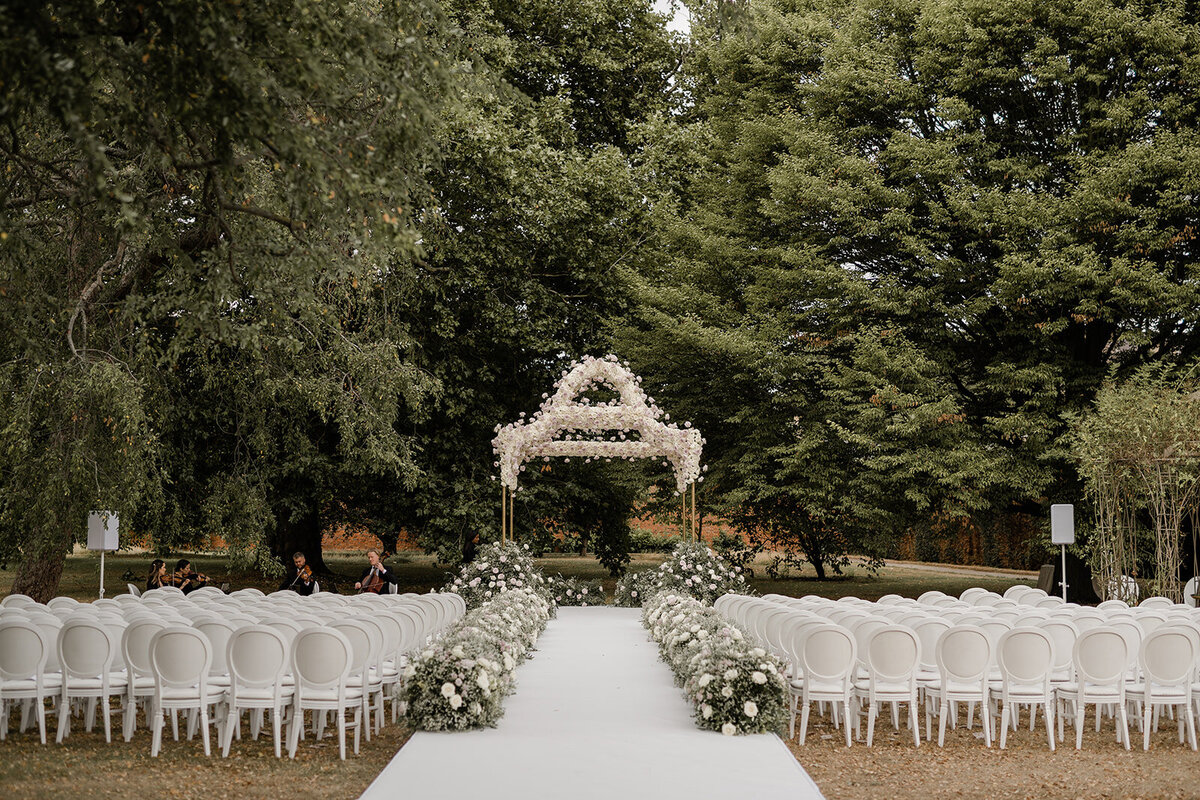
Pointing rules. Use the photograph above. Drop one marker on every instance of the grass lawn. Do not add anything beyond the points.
(419, 573)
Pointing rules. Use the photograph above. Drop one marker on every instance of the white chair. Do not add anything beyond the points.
(321, 660)
(135, 647)
(61, 602)
(17, 601)
(964, 657)
(180, 658)
(258, 661)
(1168, 661)
(86, 652)
(1100, 663)
(24, 651)
(827, 657)
(363, 641)
(893, 656)
(1190, 589)
(1026, 659)
(1156, 602)
(133, 590)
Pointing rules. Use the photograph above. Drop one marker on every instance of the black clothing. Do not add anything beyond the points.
(384, 573)
(298, 585)
(156, 582)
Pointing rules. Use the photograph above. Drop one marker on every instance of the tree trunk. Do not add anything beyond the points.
(301, 533)
(41, 570)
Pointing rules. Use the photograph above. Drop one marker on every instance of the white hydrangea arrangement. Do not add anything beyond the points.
(575, 591)
(497, 568)
(735, 687)
(460, 681)
(692, 569)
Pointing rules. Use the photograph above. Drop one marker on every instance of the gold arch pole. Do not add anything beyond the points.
(503, 512)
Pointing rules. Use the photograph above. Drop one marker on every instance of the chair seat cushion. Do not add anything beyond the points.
(956, 687)
(826, 688)
(882, 688)
(51, 680)
(1102, 693)
(263, 693)
(1160, 693)
(183, 693)
(353, 695)
(117, 681)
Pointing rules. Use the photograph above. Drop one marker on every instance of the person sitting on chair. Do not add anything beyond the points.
(158, 577)
(187, 578)
(376, 576)
(301, 581)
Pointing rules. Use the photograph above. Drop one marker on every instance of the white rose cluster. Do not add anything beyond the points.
(497, 568)
(735, 688)
(569, 426)
(460, 682)
(691, 569)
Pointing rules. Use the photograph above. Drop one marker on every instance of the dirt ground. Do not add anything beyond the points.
(966, 769)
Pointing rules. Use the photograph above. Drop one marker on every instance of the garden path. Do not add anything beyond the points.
(595, 715)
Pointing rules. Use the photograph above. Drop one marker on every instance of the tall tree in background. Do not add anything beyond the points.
(195, 197)
(915, 235)
(535, 211)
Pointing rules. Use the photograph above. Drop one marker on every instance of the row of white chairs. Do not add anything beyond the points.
(69, 653)
(854, 653)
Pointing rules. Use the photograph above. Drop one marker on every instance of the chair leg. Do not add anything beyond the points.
(341, 722)
(1079, 723)
(64, 717)
(1124, 725)
(1187, 712)
(913, 723)
(943, 714)
(872, 712)
(276, 721)
(233, 717)
(1004, 715)
(204, 728)
(985, 713)
(1049, 726)
(1146, 726)
(294, 730)
(804, 722)
(357, 730)
(156, 737)
(792, 716)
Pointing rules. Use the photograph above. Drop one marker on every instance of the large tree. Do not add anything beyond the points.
(194, 198)
(917, 233)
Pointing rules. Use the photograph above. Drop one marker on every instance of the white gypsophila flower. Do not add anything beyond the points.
(750, 709)
(758, 677)
(729, 729)
(727, 691)
(448, 690)
(456, 701)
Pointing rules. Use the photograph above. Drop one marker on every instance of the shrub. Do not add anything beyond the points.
(734, 686)
(497, 568)
(460, 681)
(575, 591)
(691, 569)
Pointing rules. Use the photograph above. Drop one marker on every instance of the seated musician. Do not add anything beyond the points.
(187, 578)
(158, 577)
(376, 576)
(301, 580)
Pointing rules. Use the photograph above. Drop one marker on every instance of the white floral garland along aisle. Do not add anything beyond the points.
(569, 426)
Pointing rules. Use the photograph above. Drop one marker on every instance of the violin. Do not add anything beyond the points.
(303, 575)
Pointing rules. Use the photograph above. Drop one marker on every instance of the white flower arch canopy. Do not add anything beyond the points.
(569, 426)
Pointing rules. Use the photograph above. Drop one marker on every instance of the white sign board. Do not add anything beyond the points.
(102, 530)
(1062, 523)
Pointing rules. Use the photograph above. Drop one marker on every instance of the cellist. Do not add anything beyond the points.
(376, 576)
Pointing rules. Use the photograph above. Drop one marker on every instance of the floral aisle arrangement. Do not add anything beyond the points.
(497, 568)
(575, 591)
(460, 682)
(734, 686)
(692, 569)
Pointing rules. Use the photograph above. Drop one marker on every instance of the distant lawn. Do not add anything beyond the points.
(420, 573)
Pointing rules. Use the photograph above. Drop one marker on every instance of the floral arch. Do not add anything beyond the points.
(568, 426)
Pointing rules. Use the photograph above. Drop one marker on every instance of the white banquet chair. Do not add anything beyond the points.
(893, 656)
(86, 652)
(1025, 657)
(964, 656)
(827, 655)
(24, 651)
(321, 660)
(1101, 662)
(1168, 664)
(180, 658)
(257, 656)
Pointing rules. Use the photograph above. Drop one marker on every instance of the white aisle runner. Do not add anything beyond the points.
(595, 715)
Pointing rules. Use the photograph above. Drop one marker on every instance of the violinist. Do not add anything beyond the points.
(158, 576)
(301, 580)
(187, 578)
(376, 576)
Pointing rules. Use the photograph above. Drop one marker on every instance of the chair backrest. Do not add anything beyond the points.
(86, 648)
(18, 601)
(1064, 632)
(180, 657)
(963, 653)
(135, 645)
(321, 658)
(1190, 590)
(929, 631)
(1168, 658)
(133, 590)
(359, 636)
(1131, 632)
(1100, 657)
(61, 602)
(829, 654)
(1026, 656)
(1156, 602)
(893, 654)
(24, 650)
(218, 632)
(257, 656)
